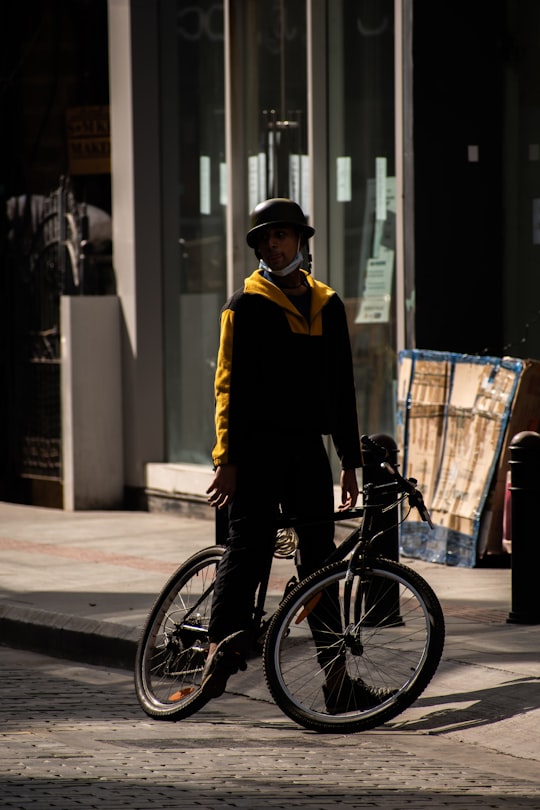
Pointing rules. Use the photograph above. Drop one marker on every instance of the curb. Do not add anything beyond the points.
(85, 640)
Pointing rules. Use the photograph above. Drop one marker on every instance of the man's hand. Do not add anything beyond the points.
(223, 486)
(349, 490)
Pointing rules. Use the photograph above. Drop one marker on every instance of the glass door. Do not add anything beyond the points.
(275, 95)
(194, 203)
(362, 196)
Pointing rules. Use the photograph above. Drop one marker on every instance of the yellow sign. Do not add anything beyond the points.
(89, 143)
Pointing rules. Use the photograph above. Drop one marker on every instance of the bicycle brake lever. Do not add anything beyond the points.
(416, 499)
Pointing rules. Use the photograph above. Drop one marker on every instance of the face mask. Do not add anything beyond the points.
(296, 262)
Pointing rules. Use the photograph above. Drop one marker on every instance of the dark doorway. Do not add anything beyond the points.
(458, 56)
(53, 65)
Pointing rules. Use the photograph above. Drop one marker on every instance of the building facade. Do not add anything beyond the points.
(407, 131)
(232, 104)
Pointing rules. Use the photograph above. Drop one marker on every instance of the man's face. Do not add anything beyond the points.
(278, 246)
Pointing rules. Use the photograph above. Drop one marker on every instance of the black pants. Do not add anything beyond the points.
(295, 476)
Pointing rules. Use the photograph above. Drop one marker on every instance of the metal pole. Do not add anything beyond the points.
(388, 544)
(383, 608)
(525, 500)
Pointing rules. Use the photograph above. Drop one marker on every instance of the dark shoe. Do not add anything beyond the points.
(226, 661)
(354, 695)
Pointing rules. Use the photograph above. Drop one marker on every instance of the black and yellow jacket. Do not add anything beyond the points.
(277, 373)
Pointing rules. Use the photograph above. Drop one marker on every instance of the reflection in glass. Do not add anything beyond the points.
(275, 90)
(362, 195)
(194, 200)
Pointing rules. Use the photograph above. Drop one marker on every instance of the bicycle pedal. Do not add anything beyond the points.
(176, 697)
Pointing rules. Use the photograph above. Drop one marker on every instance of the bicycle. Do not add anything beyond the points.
(375, 614)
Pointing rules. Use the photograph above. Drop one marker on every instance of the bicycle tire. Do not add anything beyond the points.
(395, 642)
(172, 651)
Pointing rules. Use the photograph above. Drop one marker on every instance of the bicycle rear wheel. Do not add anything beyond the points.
(393, 642)
(174, 643)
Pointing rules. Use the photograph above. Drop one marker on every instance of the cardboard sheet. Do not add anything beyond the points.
(457, 415)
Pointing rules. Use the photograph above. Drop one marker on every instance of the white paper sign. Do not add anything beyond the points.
(262, 177)
(343, 179)
(295, 189)
(204, 185)
(377, 296)
(253, 181)
(380, 189)
(305, 192)
(223, 183)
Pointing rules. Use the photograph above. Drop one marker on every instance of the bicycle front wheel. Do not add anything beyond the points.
(174, 643)
(381, 626)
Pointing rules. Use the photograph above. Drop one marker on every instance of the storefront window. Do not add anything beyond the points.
(194, 201)
(361, 195)
(360, 184)
(275, 92)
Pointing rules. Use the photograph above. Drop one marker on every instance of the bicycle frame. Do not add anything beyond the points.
(369, 586)
(358, 542)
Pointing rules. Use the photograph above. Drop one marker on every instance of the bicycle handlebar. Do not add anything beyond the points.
(407, 485)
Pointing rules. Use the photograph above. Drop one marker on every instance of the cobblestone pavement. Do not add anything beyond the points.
(73, 736)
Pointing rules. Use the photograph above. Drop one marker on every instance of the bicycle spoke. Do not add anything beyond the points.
(174, 644)
(384, 659)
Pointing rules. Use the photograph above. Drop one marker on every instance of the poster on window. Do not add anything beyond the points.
(377, 296)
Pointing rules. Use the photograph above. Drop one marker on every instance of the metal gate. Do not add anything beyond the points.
(46, 261)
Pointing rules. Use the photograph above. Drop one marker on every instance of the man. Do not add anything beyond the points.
(284, 379)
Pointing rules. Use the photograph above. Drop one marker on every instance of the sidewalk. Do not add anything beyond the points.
(80, 584)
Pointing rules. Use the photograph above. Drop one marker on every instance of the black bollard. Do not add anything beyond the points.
(525, 500)
(372, 473)
(386, 609)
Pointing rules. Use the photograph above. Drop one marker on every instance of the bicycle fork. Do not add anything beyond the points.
(351, 628)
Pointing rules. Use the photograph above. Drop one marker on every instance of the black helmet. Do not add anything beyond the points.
(274, 212)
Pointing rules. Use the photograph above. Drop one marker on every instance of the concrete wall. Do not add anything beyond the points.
(91, 390)
(136, 218)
